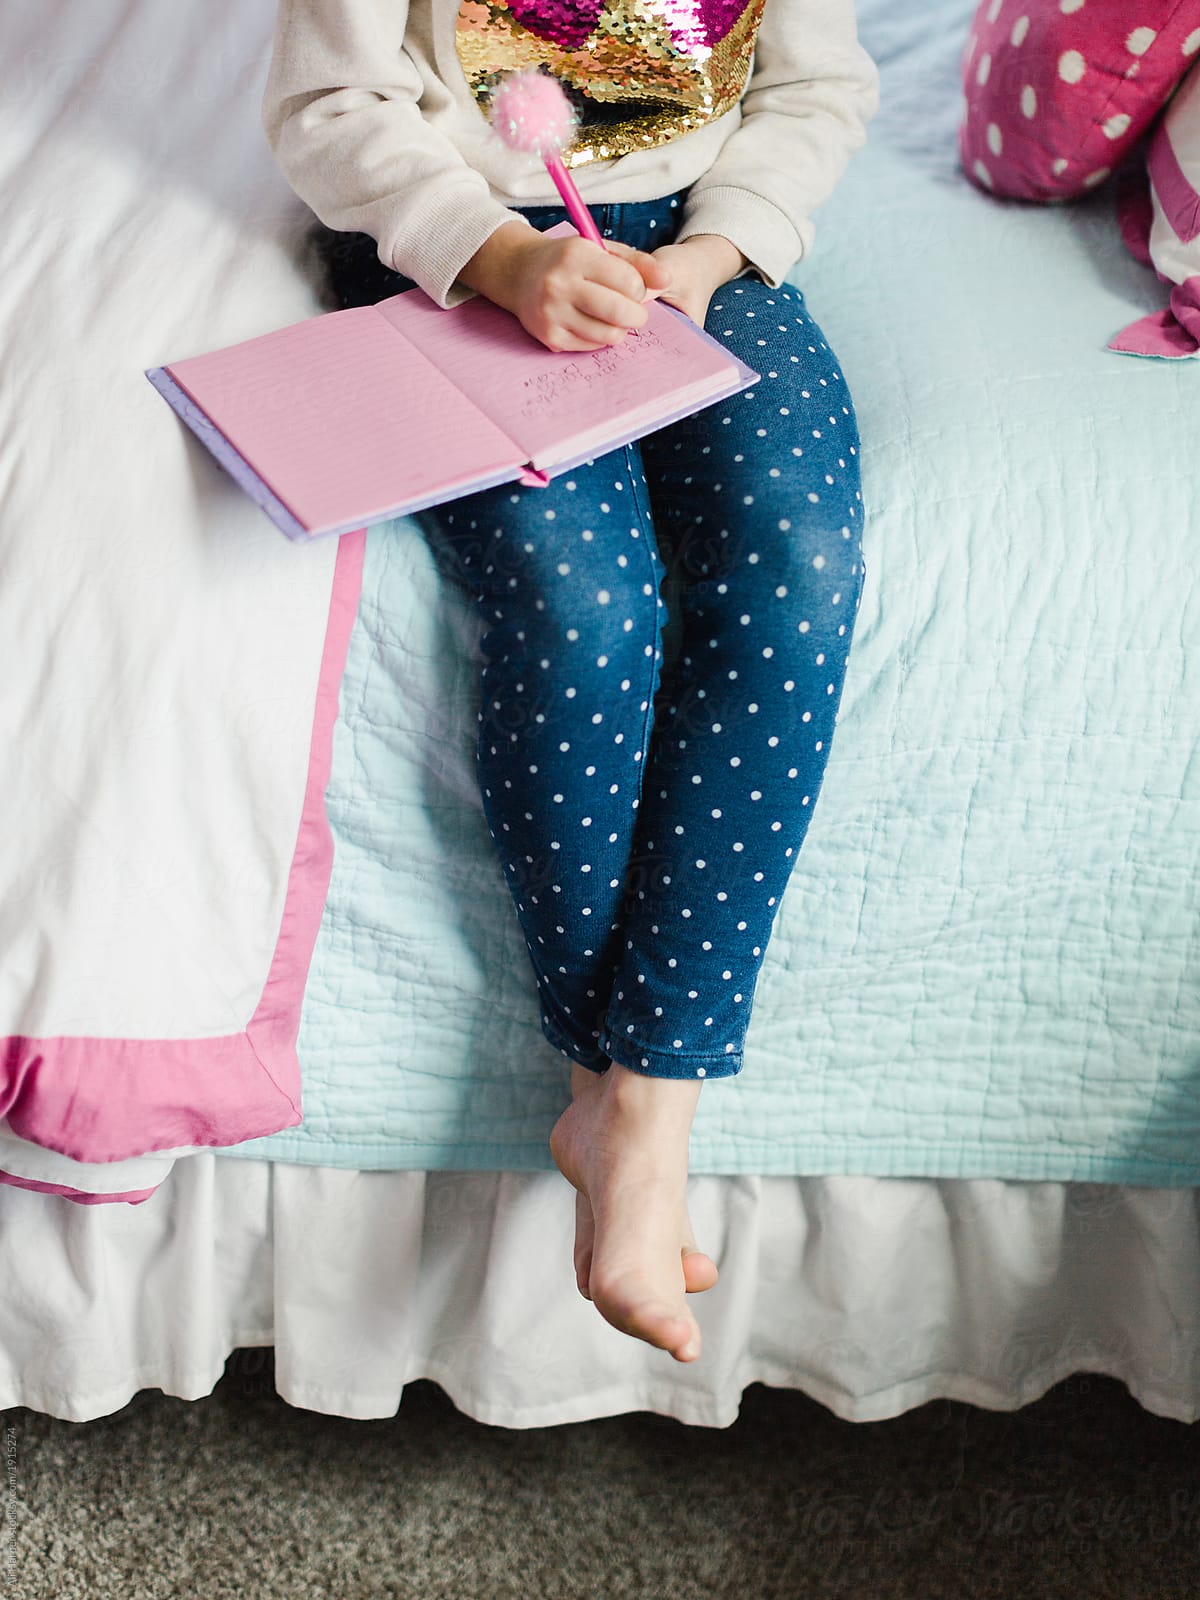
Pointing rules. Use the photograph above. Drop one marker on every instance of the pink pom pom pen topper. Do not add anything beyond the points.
(530, 111)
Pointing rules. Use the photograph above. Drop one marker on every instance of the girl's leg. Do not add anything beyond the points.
(759, 513)
(567, 581)
(758, 510)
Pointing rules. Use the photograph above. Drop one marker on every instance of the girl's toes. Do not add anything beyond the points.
(585, 1238)
(631, 1306)
(699, 1271)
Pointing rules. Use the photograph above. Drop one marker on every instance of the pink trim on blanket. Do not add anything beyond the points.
(1180, 202)
(80, 1196)
(101, 1100)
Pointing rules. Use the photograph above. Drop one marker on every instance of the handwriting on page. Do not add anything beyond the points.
(546, 389)
(554, 404)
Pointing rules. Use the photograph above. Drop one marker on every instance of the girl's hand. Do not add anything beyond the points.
(698, 266)
(568, 293)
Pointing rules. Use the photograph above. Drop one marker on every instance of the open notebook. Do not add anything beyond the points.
(356, 416)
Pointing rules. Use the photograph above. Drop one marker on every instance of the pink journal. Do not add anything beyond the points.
(357, 416)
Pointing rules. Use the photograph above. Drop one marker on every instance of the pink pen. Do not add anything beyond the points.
(530, 111)
(572, 199)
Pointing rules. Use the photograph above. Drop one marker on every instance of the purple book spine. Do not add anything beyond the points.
(236, 465)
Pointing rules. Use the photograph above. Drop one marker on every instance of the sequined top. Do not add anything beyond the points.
(376, 111)
(640, 72)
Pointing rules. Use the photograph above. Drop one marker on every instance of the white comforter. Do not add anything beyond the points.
(168, 663)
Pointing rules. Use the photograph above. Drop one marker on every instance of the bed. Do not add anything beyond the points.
(272, 1070)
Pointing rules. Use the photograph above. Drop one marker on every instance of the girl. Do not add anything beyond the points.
(647, 813)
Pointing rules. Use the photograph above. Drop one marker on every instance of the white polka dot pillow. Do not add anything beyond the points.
(1058, 92)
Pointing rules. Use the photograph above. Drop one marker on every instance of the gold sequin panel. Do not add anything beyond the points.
(640, 72)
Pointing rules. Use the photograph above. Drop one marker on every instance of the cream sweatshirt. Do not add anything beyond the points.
(372, 121)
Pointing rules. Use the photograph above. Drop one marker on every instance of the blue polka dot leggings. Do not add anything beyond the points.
(647, 804)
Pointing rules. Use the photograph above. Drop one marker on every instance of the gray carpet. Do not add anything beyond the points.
(1080, 1496)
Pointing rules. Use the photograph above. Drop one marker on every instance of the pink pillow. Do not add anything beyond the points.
(1058, 92)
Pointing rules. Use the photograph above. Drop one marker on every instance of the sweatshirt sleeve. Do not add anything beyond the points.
(812, 91)
(340, 112)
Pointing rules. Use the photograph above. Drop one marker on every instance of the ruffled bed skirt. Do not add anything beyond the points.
(872, 1295)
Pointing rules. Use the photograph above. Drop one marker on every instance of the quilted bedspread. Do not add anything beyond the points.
(987, 962)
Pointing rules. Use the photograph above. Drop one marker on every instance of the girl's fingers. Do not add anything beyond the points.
(656, 270)
(619, 270)
(590, 332)
(607, 305)
(653, 272)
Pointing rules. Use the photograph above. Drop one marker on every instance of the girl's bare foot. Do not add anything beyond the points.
(623, 1144)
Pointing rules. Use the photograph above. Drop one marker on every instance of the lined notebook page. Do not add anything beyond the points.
(553, 404)
(343, 419)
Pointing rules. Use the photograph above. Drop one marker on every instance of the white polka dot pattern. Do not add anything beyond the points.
(1058, 92)
(648, 804)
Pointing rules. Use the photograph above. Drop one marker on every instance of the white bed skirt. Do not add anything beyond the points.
(872, 1295)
